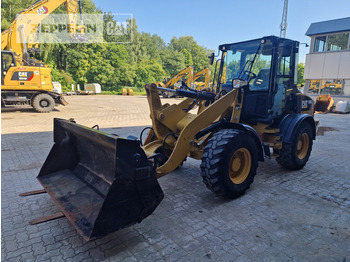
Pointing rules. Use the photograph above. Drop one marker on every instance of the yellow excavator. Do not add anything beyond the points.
(202, 85)
(170, 84)
(189, 82)
(102, 182)
(25, 81)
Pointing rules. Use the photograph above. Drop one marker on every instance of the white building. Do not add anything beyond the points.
(327, 66)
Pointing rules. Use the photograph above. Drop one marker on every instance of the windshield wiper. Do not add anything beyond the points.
(250, 62)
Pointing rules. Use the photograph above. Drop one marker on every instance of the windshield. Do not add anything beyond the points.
(249, 61)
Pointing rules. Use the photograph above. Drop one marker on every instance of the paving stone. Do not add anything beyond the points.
(285, 216)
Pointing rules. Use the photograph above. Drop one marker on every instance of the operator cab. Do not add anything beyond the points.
(7, 61)
(265, 69)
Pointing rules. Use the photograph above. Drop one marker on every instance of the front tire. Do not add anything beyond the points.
(295, 155)
(229, 163)
(43, 103)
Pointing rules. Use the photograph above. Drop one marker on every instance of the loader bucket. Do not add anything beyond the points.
(100, 182)
(324, 103)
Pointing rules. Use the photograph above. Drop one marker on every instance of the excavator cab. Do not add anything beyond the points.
(7, 61)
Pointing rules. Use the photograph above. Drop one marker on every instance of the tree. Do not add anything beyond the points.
(301, 80)
(146, 59)
(188, 57)
(9, 10)
(148, 71)
(199, 53)
(173, 61)
(183, 42)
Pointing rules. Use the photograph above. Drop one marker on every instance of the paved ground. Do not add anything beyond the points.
(285, 216)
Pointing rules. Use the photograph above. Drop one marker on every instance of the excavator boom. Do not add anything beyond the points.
(207, 74)
(24, 80)
(19, 37)
(187, 71)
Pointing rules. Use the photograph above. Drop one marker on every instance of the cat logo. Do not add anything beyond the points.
(22, 76)
(305, 104)
(42, 10)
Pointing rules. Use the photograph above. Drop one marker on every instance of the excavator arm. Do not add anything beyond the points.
(187, 71)
(19, 37)
(204, 72)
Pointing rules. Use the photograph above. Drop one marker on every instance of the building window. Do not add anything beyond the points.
(332, 87)
(337, 42)
(320, 43)
(334, 42)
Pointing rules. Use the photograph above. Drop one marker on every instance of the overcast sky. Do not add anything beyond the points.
(216, 22)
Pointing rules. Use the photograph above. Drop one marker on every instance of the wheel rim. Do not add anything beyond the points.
(240, 164)
(44, 103)
(302, 146)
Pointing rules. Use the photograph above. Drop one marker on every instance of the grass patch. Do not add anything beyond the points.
(138, 91)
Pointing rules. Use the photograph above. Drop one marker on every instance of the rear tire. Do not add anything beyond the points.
(229, 163)
(295, 155)
(43, 103)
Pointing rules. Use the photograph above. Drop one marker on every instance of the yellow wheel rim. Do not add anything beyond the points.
(240, 164)
(302, 146)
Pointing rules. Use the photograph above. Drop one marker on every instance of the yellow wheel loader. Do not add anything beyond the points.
(103, 183)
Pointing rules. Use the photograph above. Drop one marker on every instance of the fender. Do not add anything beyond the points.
(229, 125)
(290, 124)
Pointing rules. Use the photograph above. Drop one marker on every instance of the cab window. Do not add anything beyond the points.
(6, 61)
(250, 62)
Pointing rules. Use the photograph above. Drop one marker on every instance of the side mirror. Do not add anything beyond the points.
(12, 64)
(211, 58)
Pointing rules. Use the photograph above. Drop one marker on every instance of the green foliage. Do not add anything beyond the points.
(9, 9)
(148, 71)
(301, 80)
(173, 61)
(188, 57)
(63, 77)
(146, 59)
(198, 53)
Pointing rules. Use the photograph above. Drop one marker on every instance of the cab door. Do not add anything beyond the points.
(8, 69)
